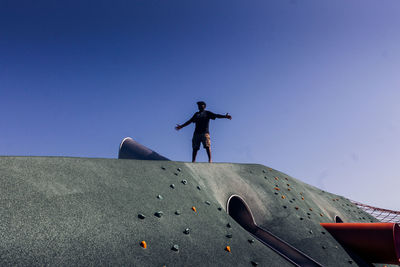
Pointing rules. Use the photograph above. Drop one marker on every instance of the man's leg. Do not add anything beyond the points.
(208, 149)
(195, 145)
(194, 155)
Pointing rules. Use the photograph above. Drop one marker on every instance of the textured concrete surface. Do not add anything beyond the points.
(80, 211)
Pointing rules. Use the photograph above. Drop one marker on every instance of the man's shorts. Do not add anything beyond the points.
(201, 138)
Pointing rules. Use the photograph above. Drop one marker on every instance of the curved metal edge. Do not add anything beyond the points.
(245, 204)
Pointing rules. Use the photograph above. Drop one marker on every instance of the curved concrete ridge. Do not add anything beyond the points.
(80, 211)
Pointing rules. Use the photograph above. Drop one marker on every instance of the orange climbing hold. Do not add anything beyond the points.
(310, 209)
(283, 197)
(296, 208)
(143, 244)
(288, 189)
(288, 184)
(194, 209)
(228, 248)
(276, 188)
(276, 178)
(302, 198)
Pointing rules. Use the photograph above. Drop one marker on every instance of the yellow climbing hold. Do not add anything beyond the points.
(194, 209)
(143, 244)
(228, 248)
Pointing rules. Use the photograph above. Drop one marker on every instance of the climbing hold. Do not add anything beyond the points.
(175, 248)
(143, 244)
(286, 179)
(141, 216)
(308, 213)
(177, 212)
(275, 193)
(229, 235)
(251, 241)
(159, 214)
(162, 167)
(284, 207)
(194, 209)
(263, 171)
(172, 186)
(302, 198)
(288, 184)
(219, 208)
(228, 225)
(179, 169)
(310, 231)
(323, 232)
(283, 197)
(288, 189)
(323, 247)
(310, 209)
(176, 173)
(254, 263)
(276, 188)
(296, 208)
(187, 231)
(207, 202)
(184, 182)
(159, 197)
(198, 187)
(228, 248)
(322, 215)
(276, 178)
(301, 218)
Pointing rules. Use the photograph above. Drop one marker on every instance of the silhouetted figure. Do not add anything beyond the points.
(201, 133)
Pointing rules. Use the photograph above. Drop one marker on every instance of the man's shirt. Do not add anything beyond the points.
(202, 120)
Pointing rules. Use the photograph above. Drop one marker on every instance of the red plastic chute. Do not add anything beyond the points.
(374, 242)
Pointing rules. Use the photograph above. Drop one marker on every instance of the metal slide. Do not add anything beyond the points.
(241, 213)
(287, 251)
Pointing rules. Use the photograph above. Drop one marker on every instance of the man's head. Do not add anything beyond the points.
(201, 105)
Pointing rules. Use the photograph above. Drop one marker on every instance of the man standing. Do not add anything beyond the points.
(201, 133)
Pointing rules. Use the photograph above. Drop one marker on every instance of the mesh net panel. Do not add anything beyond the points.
(382, 215)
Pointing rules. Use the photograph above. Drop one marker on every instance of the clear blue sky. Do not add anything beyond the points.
(313, 86)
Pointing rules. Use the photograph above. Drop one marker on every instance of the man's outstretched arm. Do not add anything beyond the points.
(226, 116)
(178, 127)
